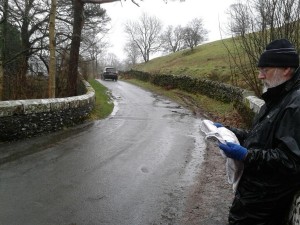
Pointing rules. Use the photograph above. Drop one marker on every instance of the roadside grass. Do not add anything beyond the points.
(103, 105)
(200, 105)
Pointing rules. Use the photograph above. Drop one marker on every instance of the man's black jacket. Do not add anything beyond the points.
(272, 166)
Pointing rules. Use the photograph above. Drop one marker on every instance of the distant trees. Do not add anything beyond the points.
(173, 39)
(194, 33)
(177, 38)
(132, 52)
(145, 34)
(253, 25)
(240, 21)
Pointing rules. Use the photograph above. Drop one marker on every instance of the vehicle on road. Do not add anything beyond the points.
(109, 73)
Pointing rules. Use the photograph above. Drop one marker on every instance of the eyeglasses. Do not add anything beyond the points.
(264, 71)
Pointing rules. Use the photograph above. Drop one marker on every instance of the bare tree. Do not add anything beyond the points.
(132, 52)
(145, 34)
(112, 60)
(194, 33)
(266, 20)
(240, 21)
(92, 53)
(173, 39)
(28, 18)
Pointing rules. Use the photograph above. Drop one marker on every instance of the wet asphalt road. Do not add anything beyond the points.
(133, 168)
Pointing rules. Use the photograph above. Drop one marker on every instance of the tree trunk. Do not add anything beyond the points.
(75, 46)
(3, 32)
(78, 6)
(52, 64)
(1, 65)
(1, 79)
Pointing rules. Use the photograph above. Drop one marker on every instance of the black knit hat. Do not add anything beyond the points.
(279, 53)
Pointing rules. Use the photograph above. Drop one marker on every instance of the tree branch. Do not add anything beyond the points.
(99, 1)
(106, 1)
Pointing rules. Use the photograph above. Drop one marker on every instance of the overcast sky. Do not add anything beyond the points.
(212, 12)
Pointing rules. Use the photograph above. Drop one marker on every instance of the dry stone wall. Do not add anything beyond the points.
(26, 118)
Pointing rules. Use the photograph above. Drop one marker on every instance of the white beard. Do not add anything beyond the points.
(277, 80)
(264, 88)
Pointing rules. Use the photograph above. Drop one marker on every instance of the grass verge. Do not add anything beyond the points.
(104, 105)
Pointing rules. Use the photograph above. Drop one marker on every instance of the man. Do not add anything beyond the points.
(271, 149)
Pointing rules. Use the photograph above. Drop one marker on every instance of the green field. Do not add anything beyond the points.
(208, 60)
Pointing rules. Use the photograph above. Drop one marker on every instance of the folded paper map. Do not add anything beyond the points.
(234, 168)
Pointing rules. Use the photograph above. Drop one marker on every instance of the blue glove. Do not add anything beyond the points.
(234, 151)
(218, 125)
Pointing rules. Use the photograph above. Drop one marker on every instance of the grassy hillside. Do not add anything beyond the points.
(208, 60)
